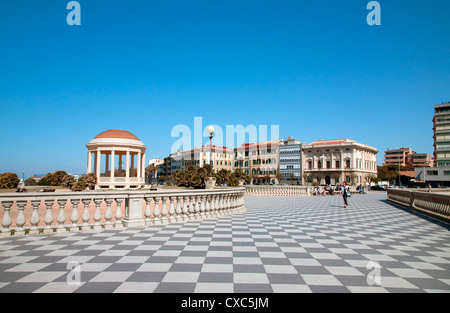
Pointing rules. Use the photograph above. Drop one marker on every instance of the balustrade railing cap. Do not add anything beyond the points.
(11, 196)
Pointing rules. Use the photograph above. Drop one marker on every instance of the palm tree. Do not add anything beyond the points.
(149, 173)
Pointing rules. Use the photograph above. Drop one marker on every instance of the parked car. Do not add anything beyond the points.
(378, 187)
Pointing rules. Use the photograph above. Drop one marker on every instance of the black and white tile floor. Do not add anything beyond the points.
(295, 244)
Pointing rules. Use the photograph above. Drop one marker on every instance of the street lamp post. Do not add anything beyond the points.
(211, 132)
(210, 181)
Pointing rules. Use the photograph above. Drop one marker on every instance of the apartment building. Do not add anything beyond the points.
(422, 160)
(397, 157)
(290, 162)
(222, 157)
(264, 161)
(441, 134)
(405, 156)
(242, 158)
(333, 161)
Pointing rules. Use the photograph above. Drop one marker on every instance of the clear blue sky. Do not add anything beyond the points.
(315, 68)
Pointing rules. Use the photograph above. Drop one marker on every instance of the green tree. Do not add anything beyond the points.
(46, 180)
(89, 180)
(68, 181)
(79, 186)
(57, 178)
(30, 182)
(149, 173)
(9, 180)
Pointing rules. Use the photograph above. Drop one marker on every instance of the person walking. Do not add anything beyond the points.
(344, 193)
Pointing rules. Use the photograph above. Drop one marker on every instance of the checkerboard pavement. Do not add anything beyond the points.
(292, 244)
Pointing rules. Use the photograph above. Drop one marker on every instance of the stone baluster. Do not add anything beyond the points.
(48, 219)
(185, 208)
(156, 211)
(221, 205)
(172, 217)
(164, 219)
(86, 215)
(202, 207)
(20, 220)
(61, 219)
(118, 215)
(218, 208)
(238, 201)
(35, 219)
(212, 205)
(218, 205)
(228, 203)
(74, 217)
(6, 221)
(208, 206)
(198, 204)
(178, 210)
(224, 204)
(108, 214)
(148, 211)
(191, 207)
(97, 215)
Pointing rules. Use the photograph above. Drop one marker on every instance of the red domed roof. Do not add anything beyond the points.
(117, 133)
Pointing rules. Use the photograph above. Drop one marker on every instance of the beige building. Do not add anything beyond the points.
(264, 161)
(222, 157)
(242, 158)
(335, 161)
(405, 156)
(397, 157)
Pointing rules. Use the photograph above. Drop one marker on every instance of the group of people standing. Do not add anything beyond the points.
(343, 189)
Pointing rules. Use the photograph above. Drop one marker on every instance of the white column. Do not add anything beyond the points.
(127, 169)
(132, 161)
(139, 164)
(143, 168)
(89, 166)
(113, 164)
(113, 168)
(97, 162)
(106, 162)
(353, 164)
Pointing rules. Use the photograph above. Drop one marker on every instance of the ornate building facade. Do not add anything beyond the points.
(335, 161)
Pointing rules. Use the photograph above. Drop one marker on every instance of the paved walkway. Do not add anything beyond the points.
(296, 244)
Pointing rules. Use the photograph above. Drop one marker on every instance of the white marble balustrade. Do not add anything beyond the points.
(277, 191)
(36, 213)
(434, 202)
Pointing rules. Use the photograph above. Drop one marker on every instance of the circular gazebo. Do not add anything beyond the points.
(117, 157)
